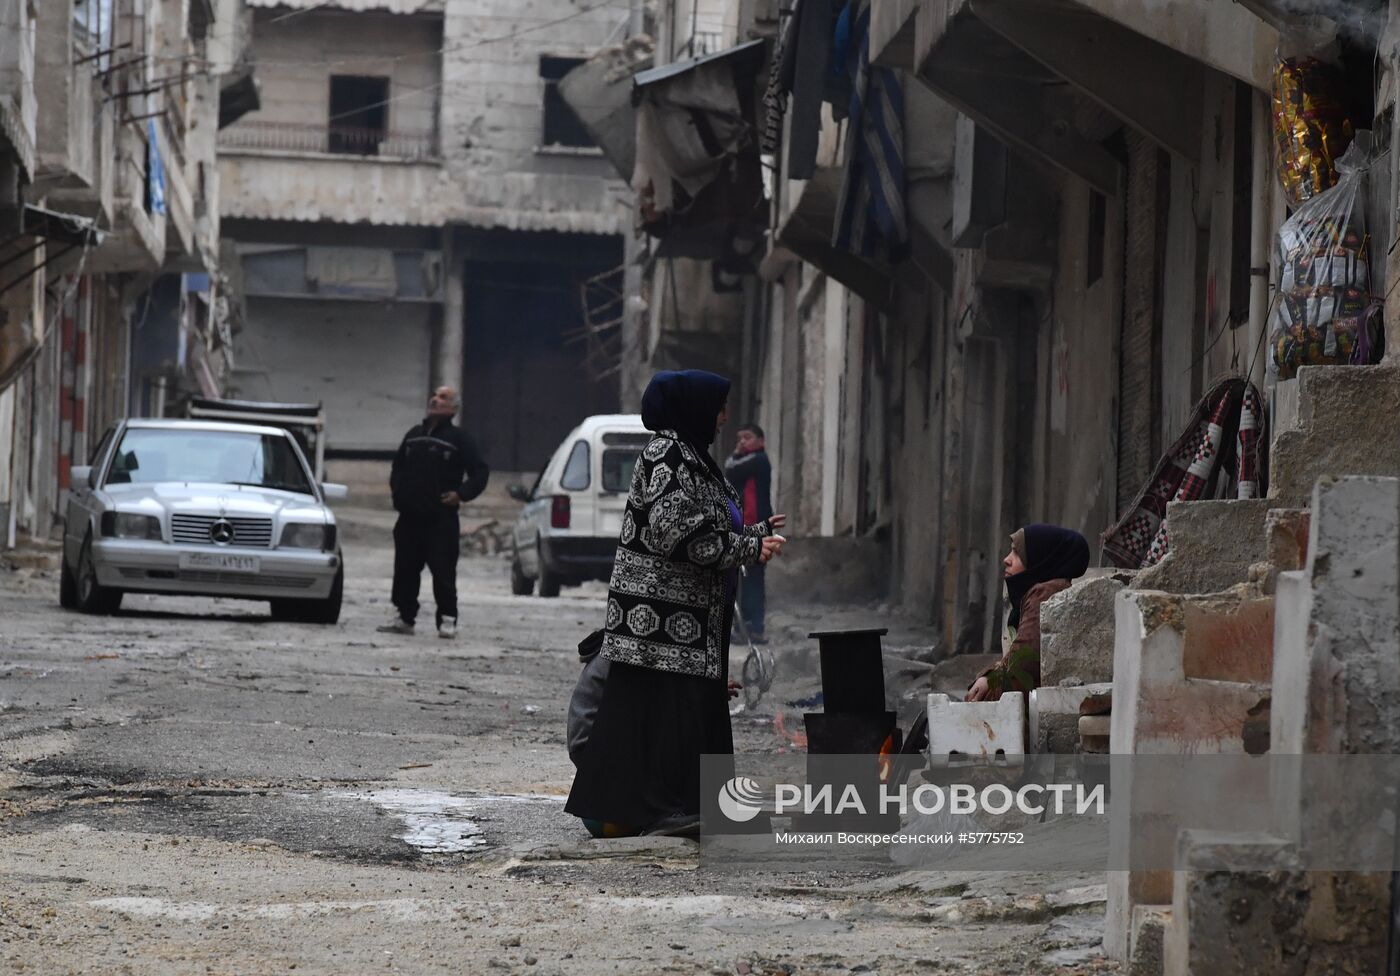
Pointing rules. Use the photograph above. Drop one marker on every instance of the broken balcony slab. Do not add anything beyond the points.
(990, 79)
(1146, 84)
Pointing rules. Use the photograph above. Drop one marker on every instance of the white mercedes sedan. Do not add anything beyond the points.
(192, 507)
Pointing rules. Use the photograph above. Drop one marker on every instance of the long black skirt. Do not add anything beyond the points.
(642, 759)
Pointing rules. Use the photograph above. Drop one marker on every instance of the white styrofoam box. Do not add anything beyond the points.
(976, 729)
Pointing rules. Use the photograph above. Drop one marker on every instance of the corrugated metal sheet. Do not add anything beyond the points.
(388, 6)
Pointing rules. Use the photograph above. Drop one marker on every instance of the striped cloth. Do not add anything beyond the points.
(1224, 444)
(870, 217)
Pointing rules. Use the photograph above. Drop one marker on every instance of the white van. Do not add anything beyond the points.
(567, 532)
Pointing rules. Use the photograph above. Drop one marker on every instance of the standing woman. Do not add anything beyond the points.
(670, 602)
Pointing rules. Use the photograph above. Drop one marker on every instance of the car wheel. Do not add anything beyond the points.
(549, 581)
(520, 584)
(92, 596)
(67, 585)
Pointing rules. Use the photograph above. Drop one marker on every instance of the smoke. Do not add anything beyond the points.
(1357, 20)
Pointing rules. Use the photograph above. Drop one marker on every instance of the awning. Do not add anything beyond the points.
(600, 92)
(698, 179)
(744, 57)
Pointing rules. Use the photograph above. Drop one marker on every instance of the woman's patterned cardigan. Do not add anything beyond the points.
(666, 601)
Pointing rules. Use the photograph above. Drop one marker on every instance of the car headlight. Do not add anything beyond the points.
(305, 535)
(128, 525)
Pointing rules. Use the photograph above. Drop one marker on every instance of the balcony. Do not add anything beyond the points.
(295, 138)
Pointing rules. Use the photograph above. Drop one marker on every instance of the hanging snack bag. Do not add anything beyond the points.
(1327, 314)
(1311, 129)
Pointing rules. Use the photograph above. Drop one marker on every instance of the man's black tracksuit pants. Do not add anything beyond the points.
(432, 540)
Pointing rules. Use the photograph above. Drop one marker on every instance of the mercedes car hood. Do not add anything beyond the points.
(212, 499)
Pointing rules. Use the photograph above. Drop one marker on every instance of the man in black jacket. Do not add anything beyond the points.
(436, 469)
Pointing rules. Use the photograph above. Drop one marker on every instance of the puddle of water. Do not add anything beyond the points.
(435, 823)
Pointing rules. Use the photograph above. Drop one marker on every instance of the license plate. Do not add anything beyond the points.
(223, 561)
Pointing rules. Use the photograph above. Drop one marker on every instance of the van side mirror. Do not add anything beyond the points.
(82, 476)
(332, 492)
(519, 492)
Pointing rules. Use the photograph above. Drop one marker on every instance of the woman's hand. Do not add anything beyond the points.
(776, 522)
(734, 688)
(979, 691)
(772, 546)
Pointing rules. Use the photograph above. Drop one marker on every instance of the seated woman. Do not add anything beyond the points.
(1042, 561)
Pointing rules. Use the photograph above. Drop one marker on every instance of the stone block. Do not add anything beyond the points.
(1346, 426)
(1150, 925)
(976, 729)
(1094, 733)
(1286, 533)
(1213, 545)
(1076, 632)
(1187, 673)
(1054, 716)
(1336, 671)
(1241, 907)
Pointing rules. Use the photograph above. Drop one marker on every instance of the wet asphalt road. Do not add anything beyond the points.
(190, 787)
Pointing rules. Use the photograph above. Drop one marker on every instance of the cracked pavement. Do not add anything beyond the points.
(189, 787)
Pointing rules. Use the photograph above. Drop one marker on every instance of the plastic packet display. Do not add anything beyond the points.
(1326, 312)
(1311, 129)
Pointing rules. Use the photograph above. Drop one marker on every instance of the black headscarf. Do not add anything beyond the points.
(687, 401)
(1051, 553)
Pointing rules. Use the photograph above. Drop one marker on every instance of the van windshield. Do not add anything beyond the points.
(618, 464)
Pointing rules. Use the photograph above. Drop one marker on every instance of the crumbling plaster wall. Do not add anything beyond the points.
(493, 111)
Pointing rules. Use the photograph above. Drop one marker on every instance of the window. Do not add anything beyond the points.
(618, 466)
(561, 126)
(575, 477)
(359, 115)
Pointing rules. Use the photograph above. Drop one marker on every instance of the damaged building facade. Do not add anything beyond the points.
(1040, 261)
(414, 205)
(1003, 252)
(112, 297)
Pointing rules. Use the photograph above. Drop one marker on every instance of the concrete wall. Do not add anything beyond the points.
(492, 113)
(366, 361)
(1079, 346)
(297, 56)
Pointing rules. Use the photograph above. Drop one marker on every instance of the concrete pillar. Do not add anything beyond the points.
(834, 362)
(450, 364)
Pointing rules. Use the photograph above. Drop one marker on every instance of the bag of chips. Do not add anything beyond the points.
(1311, 129)
(1326, 313)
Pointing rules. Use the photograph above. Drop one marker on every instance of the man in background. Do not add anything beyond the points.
(751, 475)
(436, 469)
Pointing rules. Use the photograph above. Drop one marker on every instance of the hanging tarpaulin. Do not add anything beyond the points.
(697, 172)
(155, 171)
(870, 216)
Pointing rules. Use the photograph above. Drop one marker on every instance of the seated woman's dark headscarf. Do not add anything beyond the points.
(1051, 553)
(686, 401)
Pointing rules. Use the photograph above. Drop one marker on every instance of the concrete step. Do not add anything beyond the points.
(1346, 426)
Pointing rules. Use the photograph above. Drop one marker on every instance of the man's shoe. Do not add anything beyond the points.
(676, 825)
(397, 626)
(447, 628)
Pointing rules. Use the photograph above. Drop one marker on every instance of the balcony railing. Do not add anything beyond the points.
(337, 139)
